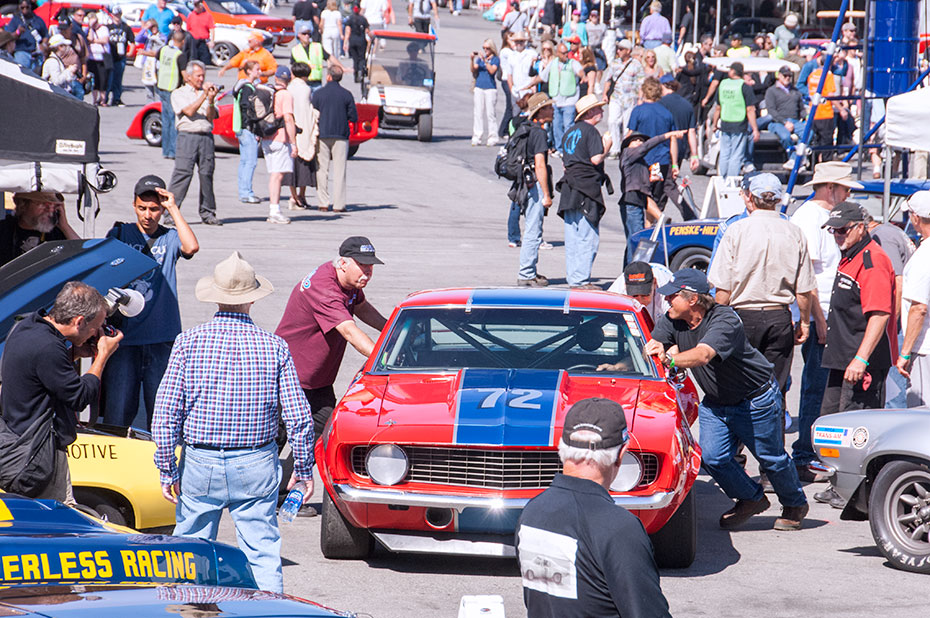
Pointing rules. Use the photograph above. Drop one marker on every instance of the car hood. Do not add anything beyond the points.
(498, 407)
(400, 96)
(146, 602)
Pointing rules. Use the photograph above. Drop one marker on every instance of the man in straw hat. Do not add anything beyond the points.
(219, 401)
(534, 195)
(38, 216)
(581, 205)
(575, 526)
(831, 183)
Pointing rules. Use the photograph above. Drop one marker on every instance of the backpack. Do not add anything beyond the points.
(261, 117)
(512, 161)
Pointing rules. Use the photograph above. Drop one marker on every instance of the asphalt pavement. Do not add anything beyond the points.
(437, 216)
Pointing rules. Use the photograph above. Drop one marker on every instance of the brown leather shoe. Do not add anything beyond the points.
(742, 511)
(791, 517)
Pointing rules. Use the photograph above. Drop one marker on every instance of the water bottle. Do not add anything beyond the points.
(293, 502)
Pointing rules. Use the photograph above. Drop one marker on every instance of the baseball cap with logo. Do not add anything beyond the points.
(359, 249)
(844, 213)
(283, 73)
(687, 279)
(603, 417)
(919, 204)
(638, 278)
(149, 184)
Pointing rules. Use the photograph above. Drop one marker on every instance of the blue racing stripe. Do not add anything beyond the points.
(506, 407)
(531, 298)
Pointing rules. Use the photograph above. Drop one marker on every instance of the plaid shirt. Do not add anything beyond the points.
(222, 387)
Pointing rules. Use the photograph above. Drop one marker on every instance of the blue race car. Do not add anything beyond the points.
(689, 244)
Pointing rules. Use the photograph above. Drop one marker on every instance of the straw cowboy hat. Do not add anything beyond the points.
(40, 196)
(588, 101)
(234, 282)
(536, 103)
(835, 172)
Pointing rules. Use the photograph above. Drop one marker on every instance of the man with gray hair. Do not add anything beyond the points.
(40, 383)
(601, 551)
(38, 216)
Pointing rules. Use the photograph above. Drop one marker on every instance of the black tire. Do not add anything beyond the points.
(425, 127)
(340, 540)
(691, 257)
(222, 53)
(675, 545)
(353, 150)
(151, 129)
(900, 492)
(105, 507)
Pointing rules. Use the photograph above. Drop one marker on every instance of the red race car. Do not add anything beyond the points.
(453, 423)
(147, 125)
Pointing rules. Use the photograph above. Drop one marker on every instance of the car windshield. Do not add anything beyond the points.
(402, 62)
(442, 338)
(234, 7)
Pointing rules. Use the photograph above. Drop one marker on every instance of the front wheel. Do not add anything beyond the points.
(222, 53)
(899, 515)
(338, 538)
(425, 127)
(675, 545)
(691, 257)
(151, 129)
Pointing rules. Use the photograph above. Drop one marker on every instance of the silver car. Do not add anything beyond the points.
(879, 460)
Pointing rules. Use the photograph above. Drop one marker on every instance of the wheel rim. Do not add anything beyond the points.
(153, 129)
(220, 55)
(907, 507)
(698, 262)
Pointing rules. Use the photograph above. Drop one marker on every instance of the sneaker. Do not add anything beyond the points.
(277, 217)
(306, 511)
(806, 475)
(588, 286)
(742, 511)
(791, 517)
(492, 142)
(536, 282)
(827, 495)
(250, 200)
(557, 154)
(514, 245)
(545, 245)
(475, 142)
(119, 104)
(766, 484)
(788, 165)
(838, 503)
(211, 220)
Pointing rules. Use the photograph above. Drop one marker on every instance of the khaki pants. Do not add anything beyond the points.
(337, 151)
(59, 488)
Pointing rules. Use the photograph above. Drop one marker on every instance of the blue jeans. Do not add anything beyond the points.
(131, 369)
(248, 159)
(899, 400)
(77, 90)
(513, 223)
(562, 119)
(581, 242)
(245, 482)
(532, 233)
(757, 423)
(458, 5)
(651, 43)
(732, 153)
(115, 87)
(784, 135)
(813, 384)
(634, 220)
(169, 135)
(26, 59)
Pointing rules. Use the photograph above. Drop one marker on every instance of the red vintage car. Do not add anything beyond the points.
(147, 125)
(453, 423)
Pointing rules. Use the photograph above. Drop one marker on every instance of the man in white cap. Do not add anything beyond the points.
(38, 216)
(914, 358)
(624, 78)
(227, 386)
(832, 183)
(581, 205)
(787, 31)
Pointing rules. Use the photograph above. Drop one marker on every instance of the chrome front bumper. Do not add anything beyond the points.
(347, 493)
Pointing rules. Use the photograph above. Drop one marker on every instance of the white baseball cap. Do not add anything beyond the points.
(919, 204)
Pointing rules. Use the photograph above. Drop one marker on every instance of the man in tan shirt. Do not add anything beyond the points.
(761, 267)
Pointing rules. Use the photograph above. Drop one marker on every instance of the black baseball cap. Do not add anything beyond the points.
(148, 184)
(688, 279)
(601, 416)
(359, 249)
(845, 212)
(638, 279)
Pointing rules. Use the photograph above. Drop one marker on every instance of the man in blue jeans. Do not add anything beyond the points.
(737, 117)
(172, 63)
(785, 108)
(538, 194)
(224, 414)
(742, 401)
(140, 361)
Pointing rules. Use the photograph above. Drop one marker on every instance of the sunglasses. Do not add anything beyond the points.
(842, 231)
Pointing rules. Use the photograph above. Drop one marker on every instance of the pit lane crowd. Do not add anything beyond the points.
(859, 287)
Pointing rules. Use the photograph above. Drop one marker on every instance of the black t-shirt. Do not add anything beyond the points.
(538, 142)
(304, 11)
(581, 142)
(683, 113)
(120, 38)
(15, 241)
(738, 369)
(357, 25)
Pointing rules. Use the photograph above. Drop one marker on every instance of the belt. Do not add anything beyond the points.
(213, 447)
(762, 389)
(769, 308)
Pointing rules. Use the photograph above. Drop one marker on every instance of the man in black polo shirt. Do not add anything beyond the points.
(580, 554)
(742, 401)
(37, 371)
(337, 110)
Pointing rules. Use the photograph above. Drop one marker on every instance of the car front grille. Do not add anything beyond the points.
(490, 469)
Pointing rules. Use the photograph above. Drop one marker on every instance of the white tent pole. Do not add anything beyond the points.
(634, 22)
(694, 21)
(674, 22)
(717, 31)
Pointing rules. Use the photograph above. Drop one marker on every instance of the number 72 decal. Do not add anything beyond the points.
(523, 398)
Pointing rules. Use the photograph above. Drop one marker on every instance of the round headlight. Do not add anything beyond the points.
(386, 464)
(631, 472)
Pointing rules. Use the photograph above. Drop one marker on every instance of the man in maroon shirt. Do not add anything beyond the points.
(320, 319)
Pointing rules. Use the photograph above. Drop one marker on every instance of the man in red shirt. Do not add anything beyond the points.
(200, 24)
(319, 320)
